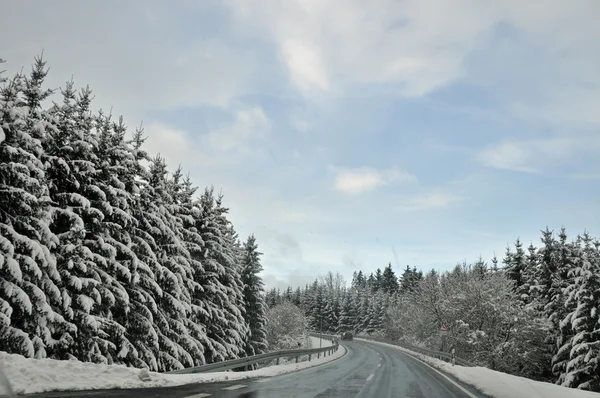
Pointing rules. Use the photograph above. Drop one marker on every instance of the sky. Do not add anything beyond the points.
(348, 134)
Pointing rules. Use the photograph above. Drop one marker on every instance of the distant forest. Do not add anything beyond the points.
(534, 315)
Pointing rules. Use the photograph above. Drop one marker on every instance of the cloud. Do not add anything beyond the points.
(134, 55)
(434, 200)
(327, 44)
(305, 65)
(534, 156)
(239, 136)
(507, 156)
(413, 48)
(247, 126)
(174, 145)
(355, 181)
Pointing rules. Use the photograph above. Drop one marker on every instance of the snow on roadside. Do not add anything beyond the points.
(497, 384)
(28, 375)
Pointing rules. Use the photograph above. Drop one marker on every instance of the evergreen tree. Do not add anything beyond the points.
(583, 368)
(531, 265)
(371, 282)
(226, 328)
(389, 281)
(410, 279)
(255, 314)
(365, 313)
(358, 280)
(346, 322)
(30, 295)
(297, 297)
(515, 264)
(376, 317)
(559, 312)
(378, 281)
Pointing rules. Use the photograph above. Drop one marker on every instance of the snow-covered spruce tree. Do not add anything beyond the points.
(389, 281)
(583, 367)
(515, 264)
(559, 312)
(346, 323)
(525, 292)
(364, 313)
(188, 212)
(145, 316)
(329, 318)
(107, 223)
(255, 314)
(176, 345)
(68, 152)
(544, 274)
(221, 282)
(30, 296)
(376, 316)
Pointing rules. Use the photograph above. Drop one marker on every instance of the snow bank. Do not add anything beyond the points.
(498, 384)
(28, 375)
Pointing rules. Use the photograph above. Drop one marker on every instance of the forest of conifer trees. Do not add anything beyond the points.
(105, 255)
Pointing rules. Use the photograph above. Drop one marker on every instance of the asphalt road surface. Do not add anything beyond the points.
(367, 370)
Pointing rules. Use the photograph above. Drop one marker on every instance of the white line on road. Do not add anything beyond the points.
(236, 387)
(201, 395)
(370, 376)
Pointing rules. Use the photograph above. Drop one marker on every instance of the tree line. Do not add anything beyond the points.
(534, 314)
(105, 255)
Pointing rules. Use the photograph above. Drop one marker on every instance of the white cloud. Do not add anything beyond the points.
(135, 55)
(433, 200)
(507, 156)
(331, 43)
(415, 47)
(172, 144)
(355, 181)
(534, 156)
(248, 125)
(305, 65)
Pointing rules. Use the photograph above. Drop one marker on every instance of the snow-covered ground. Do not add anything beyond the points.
(28, 375)
(498, 384)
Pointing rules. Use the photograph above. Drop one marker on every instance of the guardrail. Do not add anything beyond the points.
(267, 357)
(425, 351)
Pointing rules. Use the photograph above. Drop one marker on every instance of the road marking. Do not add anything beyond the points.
(370, 376)
(469, 394)
(236, 387)
(201, 395)
(263, 380)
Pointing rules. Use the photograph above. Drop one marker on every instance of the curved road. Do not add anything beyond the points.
(367, 370)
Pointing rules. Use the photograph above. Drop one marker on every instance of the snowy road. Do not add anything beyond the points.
(367, 370)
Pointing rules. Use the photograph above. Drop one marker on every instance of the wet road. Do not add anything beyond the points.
(367, 370)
